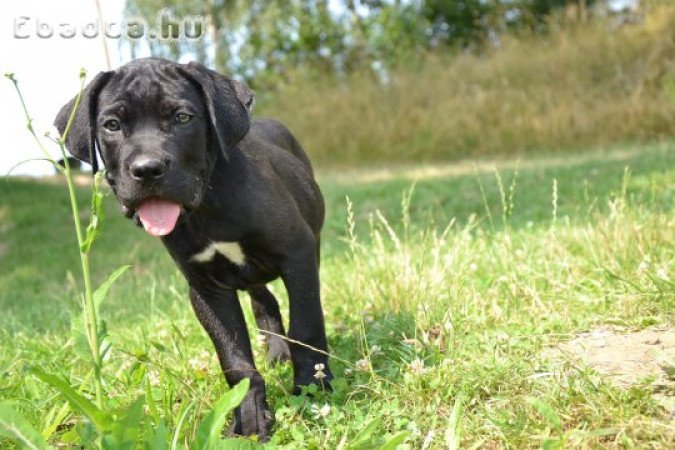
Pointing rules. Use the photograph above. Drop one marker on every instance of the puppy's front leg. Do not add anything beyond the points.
(221, 316)
(301, 277)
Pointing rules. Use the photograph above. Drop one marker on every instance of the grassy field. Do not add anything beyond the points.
(583, 85)
(444, 287)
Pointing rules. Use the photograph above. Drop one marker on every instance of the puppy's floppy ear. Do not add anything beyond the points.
(227, 101)
(81, 138)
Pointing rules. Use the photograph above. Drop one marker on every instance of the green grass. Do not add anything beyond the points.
(583, 85)
(442, 294)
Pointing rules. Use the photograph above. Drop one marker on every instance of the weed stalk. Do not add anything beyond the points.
(84, 239)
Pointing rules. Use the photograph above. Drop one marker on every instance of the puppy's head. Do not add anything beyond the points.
(160, 127)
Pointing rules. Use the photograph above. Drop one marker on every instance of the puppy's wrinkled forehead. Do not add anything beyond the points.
(142, 89)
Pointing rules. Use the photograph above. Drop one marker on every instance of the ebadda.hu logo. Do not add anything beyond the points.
(165, 28)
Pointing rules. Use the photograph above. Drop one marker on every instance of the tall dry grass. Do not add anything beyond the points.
(584, 86)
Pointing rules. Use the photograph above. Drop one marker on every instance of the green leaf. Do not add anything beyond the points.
(81, 347)
(237, 444)
(128, 428)
(296, 433)
(152, 404)
(453, 432)
(110, 443)
(183, 418)
(57, 414)
(14, 426)
(552, 444)
(157, 438)
(79, 336)
(547, 412)
(102, 291)
(208, 431)
(364, 438)
(85, 435)
(77, 324)
(104, 342)
(97, 215)
(367, 431)
(102, 421)
(395, 441)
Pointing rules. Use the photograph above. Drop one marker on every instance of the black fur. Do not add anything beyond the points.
(81, 138)
(237, 180)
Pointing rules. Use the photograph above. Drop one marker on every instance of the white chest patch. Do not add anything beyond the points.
(230, 250)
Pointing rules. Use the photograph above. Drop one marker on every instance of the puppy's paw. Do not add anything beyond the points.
(253, 417)
(277, 351)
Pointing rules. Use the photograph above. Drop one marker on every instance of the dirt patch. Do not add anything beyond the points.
(626, 358)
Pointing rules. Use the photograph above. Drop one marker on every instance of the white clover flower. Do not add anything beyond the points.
(362, 364)
(324, 411)
(200, 363)
(417, 367)
(375, 350)
(661, 273)
(194, 363)
(319, 375)
(473, 267)
(153, 377)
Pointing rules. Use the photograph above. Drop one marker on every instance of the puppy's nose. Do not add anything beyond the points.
(148, 169)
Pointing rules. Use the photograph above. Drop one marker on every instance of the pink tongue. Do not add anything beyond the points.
(158, 216)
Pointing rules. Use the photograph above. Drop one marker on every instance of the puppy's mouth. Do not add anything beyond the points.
(158, 216)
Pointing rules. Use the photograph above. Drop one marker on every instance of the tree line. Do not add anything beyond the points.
(266, 39)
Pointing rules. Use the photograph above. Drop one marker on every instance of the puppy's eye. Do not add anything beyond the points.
(183, 117)
(112, 125)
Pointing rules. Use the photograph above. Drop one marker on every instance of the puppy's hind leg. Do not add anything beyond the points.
(268, 318)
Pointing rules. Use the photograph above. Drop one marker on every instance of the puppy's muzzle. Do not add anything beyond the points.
(148, 169)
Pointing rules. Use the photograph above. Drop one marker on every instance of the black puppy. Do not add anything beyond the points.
(234, 201)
